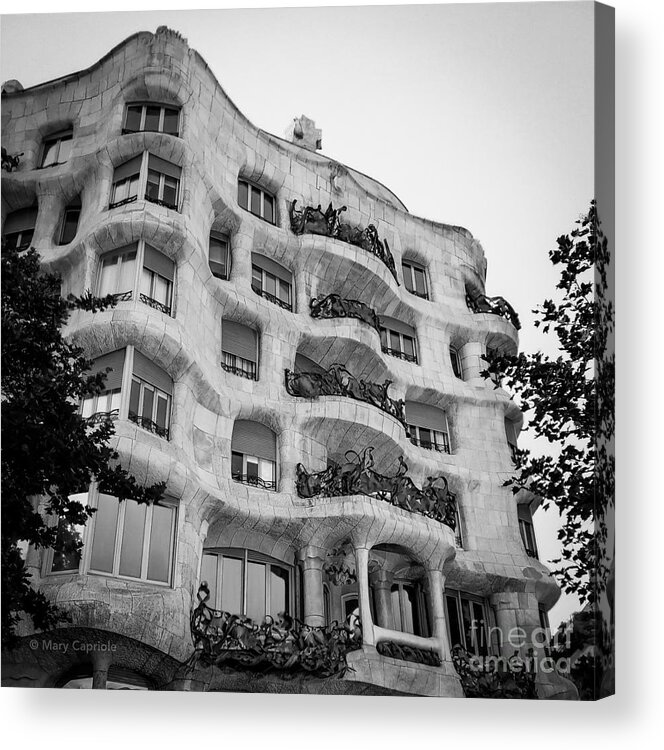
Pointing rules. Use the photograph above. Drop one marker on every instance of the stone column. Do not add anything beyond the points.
(436, 586)
(381, 583)
(472, 363)
(512, 637)
(362, 567)
(101, 662)
(312, 559)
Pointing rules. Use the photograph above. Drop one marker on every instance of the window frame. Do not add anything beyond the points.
(266, 484)
(162, 117)
(138, 417)
(419, 607)
(445, 444)
(408, 268)
(261, 291)
(142, 185)
(398, 353)
(527, 533)
(70, 209)
(487, 620)
(56, 139)
(12, 238)
(456, 357)
(220, 238)
(251, 187)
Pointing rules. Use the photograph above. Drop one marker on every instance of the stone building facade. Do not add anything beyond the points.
(259, 346)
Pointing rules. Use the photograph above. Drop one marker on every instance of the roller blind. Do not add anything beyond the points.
(129, 168)
(238, 339)
(163, 166)
(398, 326)
(304, 364)
(424, 415)
(120, 251)
(254, 439)
(158, 262)
(146, 370)
(19, 221)
(271, 266)
(114, 360)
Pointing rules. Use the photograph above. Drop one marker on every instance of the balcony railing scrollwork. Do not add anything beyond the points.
(123, 202)
(480, 303)
(286, 645)
(337, 381)
(160, 202)
(123, 296)
(254, 481)
(149, 425)
(102, 416)
(9, 162)
(399, 354)
(272, 298)
(357, 477)
(409, 653)
(310, 220)
(155, 304)
(335, 306)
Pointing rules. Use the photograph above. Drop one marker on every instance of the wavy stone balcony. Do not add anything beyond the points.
(310, 220)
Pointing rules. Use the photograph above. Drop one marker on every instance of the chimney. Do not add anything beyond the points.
(303, 132)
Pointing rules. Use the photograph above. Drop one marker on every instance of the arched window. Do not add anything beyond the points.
(254, 454)
(272, 281)
(244, 582)
(415, 278)
(69, 225)
(428, 427)
(19, 228)
(398, 339)
(239, 349)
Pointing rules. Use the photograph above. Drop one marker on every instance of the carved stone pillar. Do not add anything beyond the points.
(436, 586)
(472, 363)
(362, 566)
(312, 559)
(101, 662)
(381, 583)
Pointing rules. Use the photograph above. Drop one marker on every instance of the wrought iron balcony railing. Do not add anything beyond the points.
(431, 445)
(155, 304)
(480, 303)
(149, 425)
(160, 202)
(272, 298)
(409, 653)
(337, 381)
(103, 416)
(285, 645)
(357, 477)
(10, 163)
(310, 220)
(248, 373)
(399, 354)
(254, 481)
(335, 306)
(123, 296)
(123, 202)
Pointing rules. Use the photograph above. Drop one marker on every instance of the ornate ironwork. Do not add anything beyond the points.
(123, 202)
(492, 677)
(155, 304)
(285, 645)
(248, 374)
(399, 354)
(431, 445)
(335, 306)
(337, 381)
(357, 477)
(149, 425)
(310, 220)
(123, 296)
(480, 303)
(160, 202)
(266, 484)
(102, 416)
(9, 162)
(340, 565)
(271, 298)
(409, 653)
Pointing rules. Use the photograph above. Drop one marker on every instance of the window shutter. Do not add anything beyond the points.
(254, 439)
(129, 168)
(158, 262)
(424, 415)
(393, 324)
(146, 370)
(239, 340)
(304, 364)
(164, 167)
(271, 266)
(114, 360)
(19, 221)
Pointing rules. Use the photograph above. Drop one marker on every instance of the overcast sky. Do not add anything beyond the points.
(476, 115)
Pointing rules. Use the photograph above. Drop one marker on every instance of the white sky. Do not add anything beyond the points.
(478, 114)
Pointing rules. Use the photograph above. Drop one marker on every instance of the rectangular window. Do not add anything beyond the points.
(117, 274)
(105, 405)
(239, 349)
(151, 117)
(259, 472)
(435, 440)
(456, 363)
(19, 228)
(149, 175)
(220, 260)
(156, 286)
(150, 407)
(67, 557)
(132, 540)
(271, 287)
(415, 279)
(398, 345)
(70, 224)
(467, 622)
(528, 537)
(57, 149)
(255, 200)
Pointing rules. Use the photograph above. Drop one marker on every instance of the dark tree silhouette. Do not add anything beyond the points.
(49, 452)
(569, 401)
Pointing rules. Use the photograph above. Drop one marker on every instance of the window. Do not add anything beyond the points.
(455, 359)
(156, 179)
(118, 276)
(271, 281)
(132, 540)
(19, 228)
(68, 537)
(510, 434)
(257, 201)
(409, 609)
(254, 454)
(427, 427)
(150, 394)
(70, 221)
(220, 256)
(527, 530)
(57, 149)
(243, 582)
(415, 278)
(239, 349)
(467, 622)
(398, 339)
(158, 118)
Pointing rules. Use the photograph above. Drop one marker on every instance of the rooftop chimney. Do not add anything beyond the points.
(303, 132)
